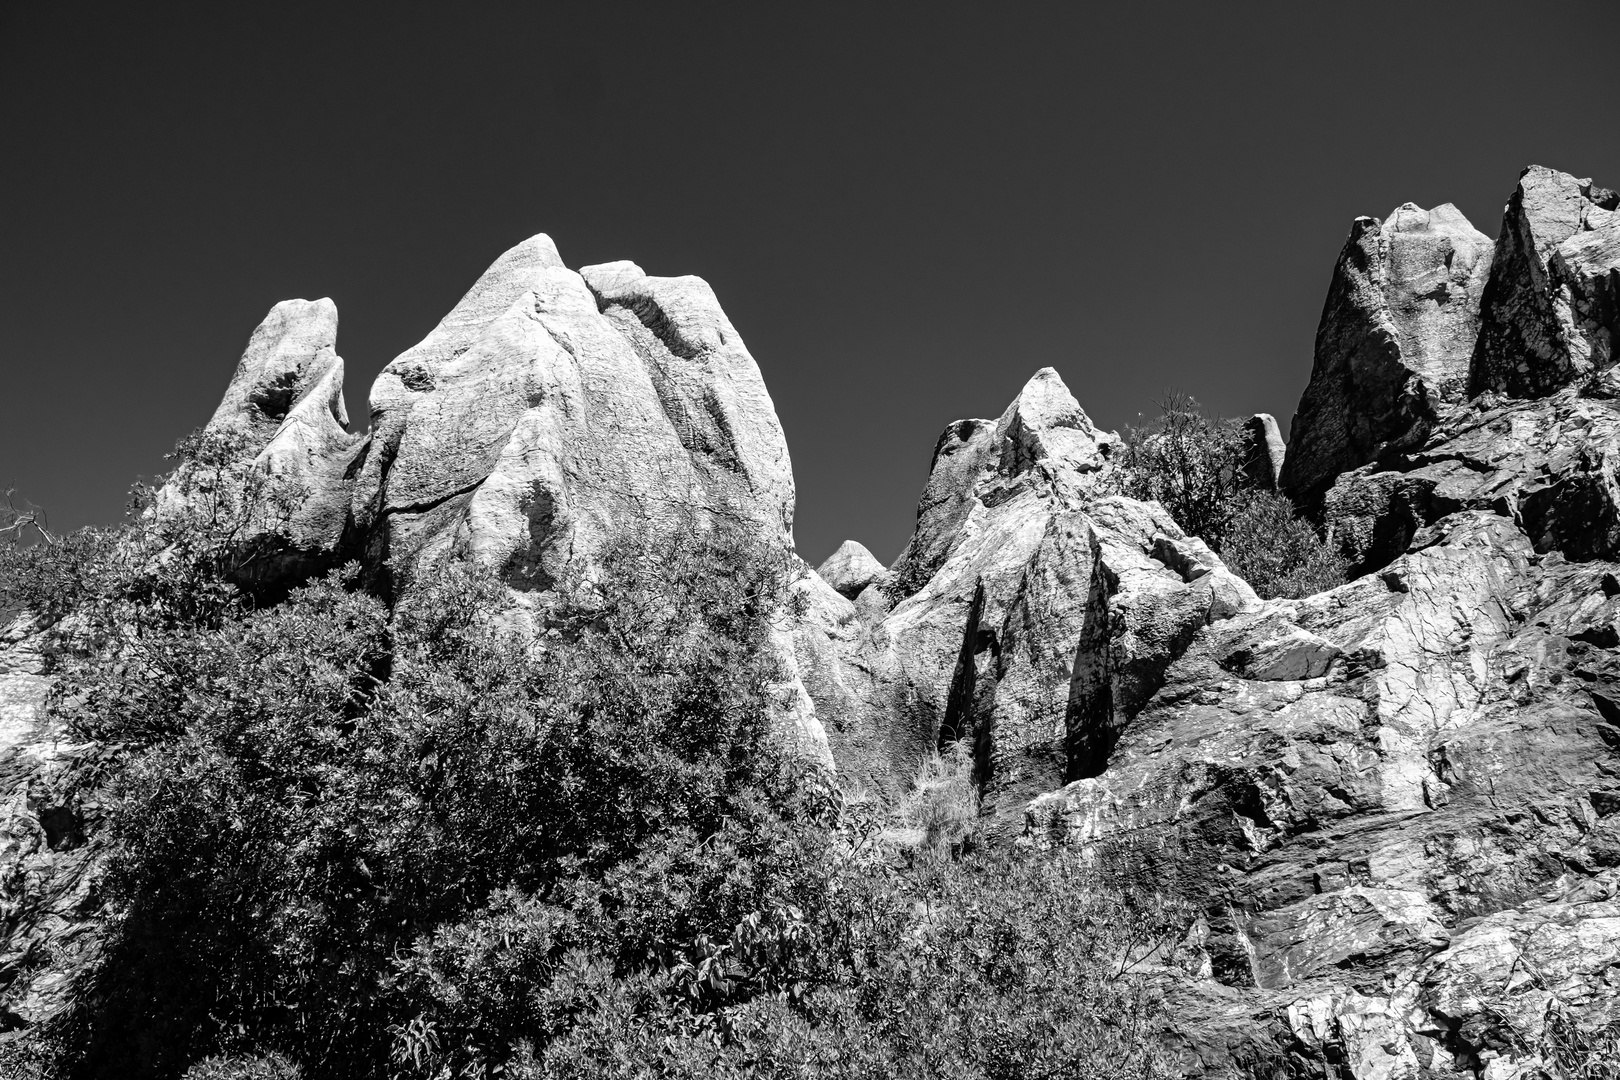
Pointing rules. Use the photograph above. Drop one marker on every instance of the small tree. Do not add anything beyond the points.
(1197, 468)
(1189, 463)
(1277, 552)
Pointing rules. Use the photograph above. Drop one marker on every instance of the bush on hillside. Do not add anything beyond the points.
(347, 842)
(1195, 467)
(1189, 463)
(1278, 552)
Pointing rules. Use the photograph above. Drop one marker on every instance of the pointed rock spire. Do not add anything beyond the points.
(850, 569)
(1549, 311)
(1393, 344)
(291, 353)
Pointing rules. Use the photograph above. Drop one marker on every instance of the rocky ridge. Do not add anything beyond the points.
(1395, 800)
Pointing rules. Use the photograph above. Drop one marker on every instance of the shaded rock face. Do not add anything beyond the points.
(1031, 613)
(1263, 451)
(1549, 311)
(1394, 342)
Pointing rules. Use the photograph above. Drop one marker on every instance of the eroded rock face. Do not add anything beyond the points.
(1032, 611)
(1363, 775)
(850, 569)
(552, 410)
(1394, 343)
(549, 412)
(1549, 464)
(285, 427)
(1399, 792)
(1548, 315)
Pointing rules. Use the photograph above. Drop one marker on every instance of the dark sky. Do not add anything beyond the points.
(905, 209)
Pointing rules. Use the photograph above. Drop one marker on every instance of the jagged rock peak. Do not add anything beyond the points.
(552, 410)
(851, 569)
(1393, 344)
(1549, 313)
(1045, 423)
(1043, 438)
(291, 356)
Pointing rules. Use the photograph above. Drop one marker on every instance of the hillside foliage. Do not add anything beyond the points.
(460, 839)
(1198, 468)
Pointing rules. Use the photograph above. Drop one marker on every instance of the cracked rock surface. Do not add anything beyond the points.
(1030, 614)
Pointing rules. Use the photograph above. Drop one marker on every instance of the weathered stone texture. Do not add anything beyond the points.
(1034, 611)
(1393, 345)
(1548, 314)
(551, 410)
(851, 569)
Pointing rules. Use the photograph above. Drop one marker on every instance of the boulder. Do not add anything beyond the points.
(1264, 451)
(1548, 314)
(850, 569)
(1393, 344)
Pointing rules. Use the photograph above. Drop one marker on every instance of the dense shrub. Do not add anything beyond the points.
(1196, 467)
(464, 839)
(1000, 965)
(1278, 552)
(271, 1067)
(1189, 463)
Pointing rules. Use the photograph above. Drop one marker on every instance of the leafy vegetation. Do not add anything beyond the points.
(461, 838)
(1199, 469)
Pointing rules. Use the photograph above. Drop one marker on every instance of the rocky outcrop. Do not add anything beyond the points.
(1549, 315)
(1394, 806)
(1372, 780)
(1263, 451)
(1392, 801)
(552, 410)
(277, 450)
(1393, 345)
(1033, 611)
(1548, 464)
(850, 569)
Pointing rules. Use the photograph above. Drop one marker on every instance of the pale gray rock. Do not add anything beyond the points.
(851, 569)
(284, 421)
(289, 357)
(1264, 451)
(1030, 616)
(553, 411)
(1378, 786)
(1584, 276)
(1393, 345)
(1546, 319)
